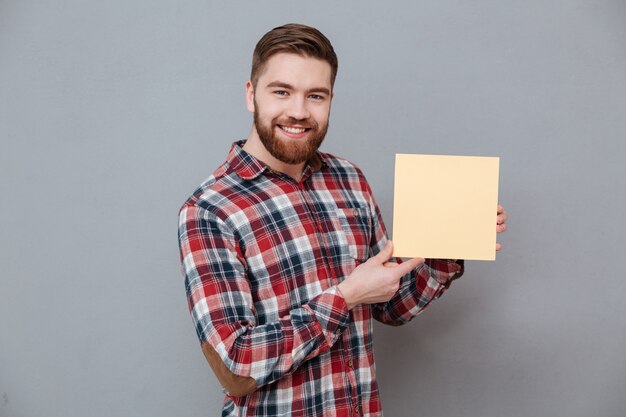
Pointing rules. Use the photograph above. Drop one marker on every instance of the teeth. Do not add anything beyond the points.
(293, 129)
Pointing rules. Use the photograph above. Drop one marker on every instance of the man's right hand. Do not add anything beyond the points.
(376, 280)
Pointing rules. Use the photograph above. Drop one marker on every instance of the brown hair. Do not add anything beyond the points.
(293, 38)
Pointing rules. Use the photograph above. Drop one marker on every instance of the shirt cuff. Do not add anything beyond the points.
(446, 270)
(331, 312)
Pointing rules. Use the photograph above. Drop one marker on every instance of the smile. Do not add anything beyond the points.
(293, 130)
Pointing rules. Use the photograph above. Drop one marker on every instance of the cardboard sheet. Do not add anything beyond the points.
(445, 206)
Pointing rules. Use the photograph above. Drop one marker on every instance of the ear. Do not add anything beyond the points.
(250, 97)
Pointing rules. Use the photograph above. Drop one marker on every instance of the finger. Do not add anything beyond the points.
(500, 209)
(501, 218)
(406, 267)
(498, 247)
(500, 228)
(395, 264)
(384, 254)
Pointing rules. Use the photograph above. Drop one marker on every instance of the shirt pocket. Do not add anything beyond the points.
(354, 223)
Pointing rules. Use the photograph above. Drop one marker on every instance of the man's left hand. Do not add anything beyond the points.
(500, 223)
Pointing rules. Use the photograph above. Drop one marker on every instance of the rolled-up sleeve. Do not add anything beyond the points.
(222, 309)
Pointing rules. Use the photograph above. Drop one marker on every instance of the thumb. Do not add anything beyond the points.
(384, 254)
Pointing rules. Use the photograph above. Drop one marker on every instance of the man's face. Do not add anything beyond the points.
(291, 105)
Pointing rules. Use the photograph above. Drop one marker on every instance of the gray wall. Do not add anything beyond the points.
(111, 113)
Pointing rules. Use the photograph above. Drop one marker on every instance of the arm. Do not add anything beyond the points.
(417, 290)
(418, 287)
(426, 283)
(243, 353)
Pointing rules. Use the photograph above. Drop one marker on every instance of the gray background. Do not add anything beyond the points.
(111, 113)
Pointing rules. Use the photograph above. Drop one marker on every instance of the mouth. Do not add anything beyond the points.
(294, 132)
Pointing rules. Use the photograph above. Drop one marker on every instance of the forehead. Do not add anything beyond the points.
(296, 70)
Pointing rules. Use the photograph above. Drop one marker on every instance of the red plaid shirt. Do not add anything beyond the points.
(262, 255)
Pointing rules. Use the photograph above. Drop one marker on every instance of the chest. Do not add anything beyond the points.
(298, 241)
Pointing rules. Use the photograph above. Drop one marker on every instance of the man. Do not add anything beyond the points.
(285, 254)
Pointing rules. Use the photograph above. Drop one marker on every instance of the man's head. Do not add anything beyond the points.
(290, 91)
(293, 38)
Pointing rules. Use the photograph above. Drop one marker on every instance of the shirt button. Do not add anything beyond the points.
(356, 408)
(355, 212)
(349, 363)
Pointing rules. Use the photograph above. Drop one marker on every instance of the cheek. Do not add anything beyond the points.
(321, 114)
(266, 117)
(268, 110)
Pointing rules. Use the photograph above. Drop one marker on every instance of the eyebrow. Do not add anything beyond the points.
(290, 87)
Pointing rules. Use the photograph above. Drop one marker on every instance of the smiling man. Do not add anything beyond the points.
(285, 254)
(290, 100)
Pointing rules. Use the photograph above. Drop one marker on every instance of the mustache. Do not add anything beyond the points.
(306, 123)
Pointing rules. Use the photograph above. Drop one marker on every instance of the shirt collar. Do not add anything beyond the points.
(248, 167)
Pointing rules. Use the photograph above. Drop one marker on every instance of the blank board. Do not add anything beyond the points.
(445, 206)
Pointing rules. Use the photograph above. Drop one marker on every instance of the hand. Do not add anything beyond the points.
(500, 223)
(376, 280)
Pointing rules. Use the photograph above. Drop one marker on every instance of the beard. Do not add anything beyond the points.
(290, 151)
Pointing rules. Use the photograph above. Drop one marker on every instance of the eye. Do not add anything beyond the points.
(281, 93)
(316, 97)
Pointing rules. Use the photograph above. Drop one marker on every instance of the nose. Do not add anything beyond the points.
(298, 109)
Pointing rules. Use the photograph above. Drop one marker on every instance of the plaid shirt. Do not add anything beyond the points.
(262, 255)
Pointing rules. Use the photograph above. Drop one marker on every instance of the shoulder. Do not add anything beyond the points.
(212, 194)
(342, 166)
(346, 172)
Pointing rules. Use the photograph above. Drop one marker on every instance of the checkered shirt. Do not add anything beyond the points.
(262, 255)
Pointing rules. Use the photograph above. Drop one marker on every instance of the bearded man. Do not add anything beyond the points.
(285, 254)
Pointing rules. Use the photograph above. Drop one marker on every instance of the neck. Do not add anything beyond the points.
(255, 147)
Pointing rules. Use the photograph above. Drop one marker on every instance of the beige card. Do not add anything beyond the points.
(445, 207)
